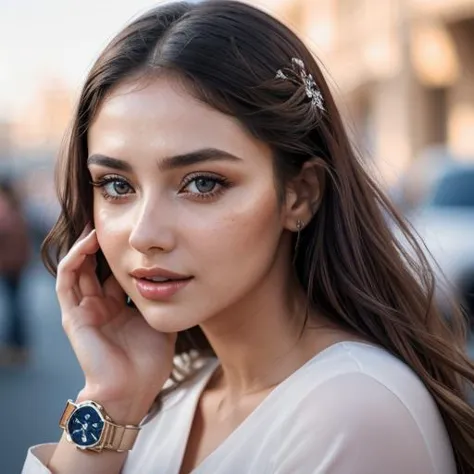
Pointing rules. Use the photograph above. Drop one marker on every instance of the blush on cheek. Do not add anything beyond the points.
(101, 224)
(246, 227)
(111, 234)
(240, 251)
(108, 222)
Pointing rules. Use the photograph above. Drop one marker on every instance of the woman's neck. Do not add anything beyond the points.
(259, 341)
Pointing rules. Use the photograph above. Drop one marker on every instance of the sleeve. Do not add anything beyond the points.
(352, 424)
(38, 458)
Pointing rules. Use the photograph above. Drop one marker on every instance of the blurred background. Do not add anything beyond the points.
(402, 71)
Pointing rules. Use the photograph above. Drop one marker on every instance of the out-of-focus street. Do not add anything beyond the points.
(32, 396)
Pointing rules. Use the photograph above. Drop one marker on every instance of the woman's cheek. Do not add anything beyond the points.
(111, 231)
(244, 227)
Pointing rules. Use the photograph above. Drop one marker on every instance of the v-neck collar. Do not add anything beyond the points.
(194, 395)
(198, 390)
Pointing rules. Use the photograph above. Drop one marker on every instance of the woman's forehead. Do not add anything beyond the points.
(164, 116)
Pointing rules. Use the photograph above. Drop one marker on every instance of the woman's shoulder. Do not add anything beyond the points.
(356, 384)
(363, 377)
(365, 364)
(359, 399)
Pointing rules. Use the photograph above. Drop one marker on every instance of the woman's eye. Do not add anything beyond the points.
(117, 188)
(113, 188)
(202, 185)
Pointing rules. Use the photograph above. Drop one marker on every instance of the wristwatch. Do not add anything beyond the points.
(89, 428)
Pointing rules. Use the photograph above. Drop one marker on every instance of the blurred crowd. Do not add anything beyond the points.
(15, 254)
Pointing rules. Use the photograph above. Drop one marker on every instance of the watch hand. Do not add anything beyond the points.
(79, 422)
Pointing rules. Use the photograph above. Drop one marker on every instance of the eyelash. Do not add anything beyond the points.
(223, 183)
(106, 180)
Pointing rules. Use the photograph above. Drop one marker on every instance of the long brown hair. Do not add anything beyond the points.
(350, 263)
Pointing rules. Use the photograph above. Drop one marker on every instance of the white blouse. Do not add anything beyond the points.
(351, 409)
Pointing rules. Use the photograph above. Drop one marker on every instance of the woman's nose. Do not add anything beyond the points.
(152, 230)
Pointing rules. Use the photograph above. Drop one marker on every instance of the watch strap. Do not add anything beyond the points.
(70, 407)
(120, 438)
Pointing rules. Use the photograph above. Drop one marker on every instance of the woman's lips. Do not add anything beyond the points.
(160, 291)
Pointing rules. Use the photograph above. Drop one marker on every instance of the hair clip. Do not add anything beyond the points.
(311, 88)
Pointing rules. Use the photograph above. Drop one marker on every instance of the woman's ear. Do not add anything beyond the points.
(303, 193)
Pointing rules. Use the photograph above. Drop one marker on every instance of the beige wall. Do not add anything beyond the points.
(41, 125)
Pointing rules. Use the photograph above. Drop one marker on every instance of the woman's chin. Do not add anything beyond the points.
(169, 321)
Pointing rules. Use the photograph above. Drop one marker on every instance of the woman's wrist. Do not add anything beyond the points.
(127, 411)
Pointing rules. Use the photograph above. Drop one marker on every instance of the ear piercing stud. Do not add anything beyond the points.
(299, 225)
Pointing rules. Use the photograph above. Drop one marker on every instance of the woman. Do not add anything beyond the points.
(233, 228)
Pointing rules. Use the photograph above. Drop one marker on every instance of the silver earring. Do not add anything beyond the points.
(299, 227)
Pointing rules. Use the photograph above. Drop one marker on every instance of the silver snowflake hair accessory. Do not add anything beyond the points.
(298, 68)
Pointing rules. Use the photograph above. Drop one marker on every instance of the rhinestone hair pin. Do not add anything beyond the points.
(298, 68)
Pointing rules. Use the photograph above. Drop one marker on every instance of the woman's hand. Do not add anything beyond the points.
(125, 361)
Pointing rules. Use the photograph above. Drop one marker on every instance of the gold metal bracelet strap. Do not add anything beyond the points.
(70, 407)
(120, 438)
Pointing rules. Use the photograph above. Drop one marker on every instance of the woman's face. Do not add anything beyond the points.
(183, 194)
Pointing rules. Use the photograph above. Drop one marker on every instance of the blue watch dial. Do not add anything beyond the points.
(85, 426)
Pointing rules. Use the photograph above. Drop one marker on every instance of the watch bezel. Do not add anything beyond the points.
(99, 410)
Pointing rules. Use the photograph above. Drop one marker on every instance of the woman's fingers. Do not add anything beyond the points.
(68, 270)
(88, 282)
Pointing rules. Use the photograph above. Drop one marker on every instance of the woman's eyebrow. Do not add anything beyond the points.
(168, 163)
(194, 157)
(109, 162)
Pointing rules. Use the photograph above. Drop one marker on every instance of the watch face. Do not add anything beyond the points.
(85, 426)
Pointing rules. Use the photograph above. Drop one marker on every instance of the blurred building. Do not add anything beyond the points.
(404, 69)
(39, 128)
(29, 142)
(29, 145)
